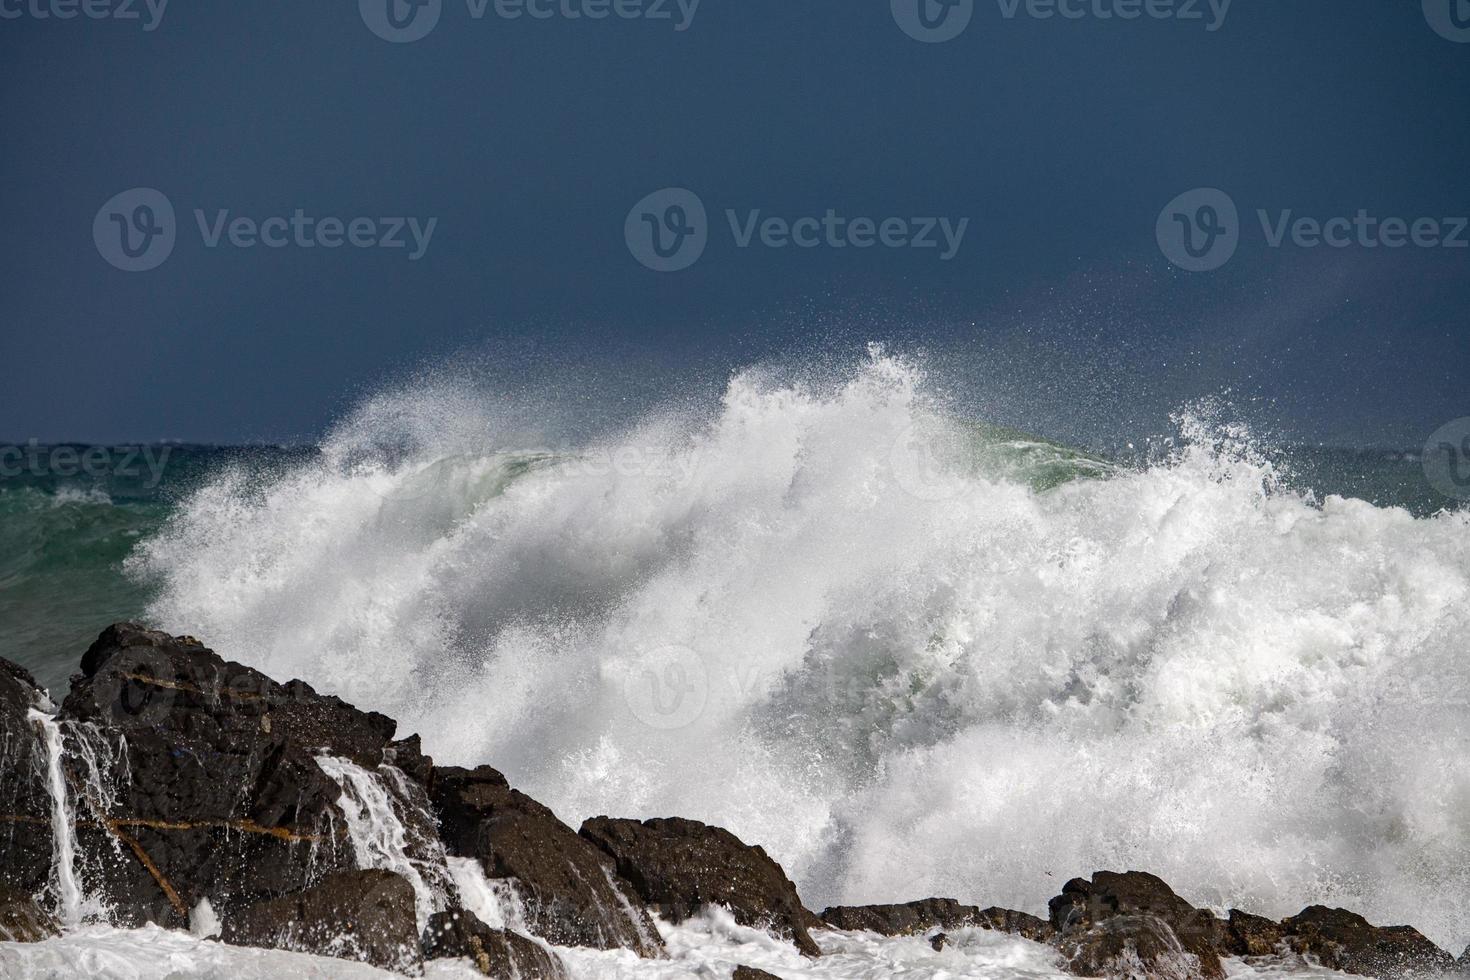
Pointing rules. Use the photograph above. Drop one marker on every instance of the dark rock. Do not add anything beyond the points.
(570, 889)
(909, 918)
(22, 920)
(407, 755)
(1252, 935)
(915, 917)
(355, 915)
(680, 866)
(25, 801)
(495, 952)
(218, 794)
(751, 973)
(1017, 923)
(1137, 947)
(939, 940)
(1106, 923)
(1343, 940)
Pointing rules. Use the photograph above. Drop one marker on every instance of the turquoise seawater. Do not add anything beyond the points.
(67, 523)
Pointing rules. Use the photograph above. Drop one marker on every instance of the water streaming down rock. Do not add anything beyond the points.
(497, 902)
(27, 804)
(79, 761)
(391, 828)
(68, 892)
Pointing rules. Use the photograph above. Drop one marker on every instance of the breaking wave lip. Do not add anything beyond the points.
(909, 654)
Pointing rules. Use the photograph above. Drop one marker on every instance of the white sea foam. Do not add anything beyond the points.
(151, 953)
(905, 673)
(707, 947)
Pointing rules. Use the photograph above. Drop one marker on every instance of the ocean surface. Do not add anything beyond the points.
(909, 652)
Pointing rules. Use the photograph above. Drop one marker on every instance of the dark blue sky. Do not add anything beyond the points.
(529, 140)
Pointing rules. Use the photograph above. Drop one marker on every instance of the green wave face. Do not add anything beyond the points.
(1000, 453)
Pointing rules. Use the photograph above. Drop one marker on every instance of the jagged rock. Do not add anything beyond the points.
(495, 952)
(1135, 947)
(217, 794)
(903, 919)
(25, 802)
(1252, 935)
(1122, 922)
(945, 913)
(22, 920)
(751, 973)
(938, 941)
(355, 915)
(570, 889)
(1343, 940)
(679, 866)
(407, 755)
(1018, 923)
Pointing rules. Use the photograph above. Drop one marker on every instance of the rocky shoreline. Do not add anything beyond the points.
(174, 787)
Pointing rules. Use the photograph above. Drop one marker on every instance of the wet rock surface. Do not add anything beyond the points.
(197, 777)
(25, 802)
(1130, 946)
(22, 920)
(1017, 923)
(571, 891)
(904, 919)
(494, 952)
(911, 918)
(1252, 935)
(679, 867)
(356, 915)
(751, 973)
(1342, 940)
(1103, 925)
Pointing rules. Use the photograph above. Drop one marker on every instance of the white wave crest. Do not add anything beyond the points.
(905, 658)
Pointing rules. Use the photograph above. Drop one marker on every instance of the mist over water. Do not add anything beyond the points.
(908, 653)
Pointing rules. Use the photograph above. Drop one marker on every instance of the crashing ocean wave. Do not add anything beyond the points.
(908, 653)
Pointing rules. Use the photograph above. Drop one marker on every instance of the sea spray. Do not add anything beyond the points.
(381, 838)
(904, 673)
